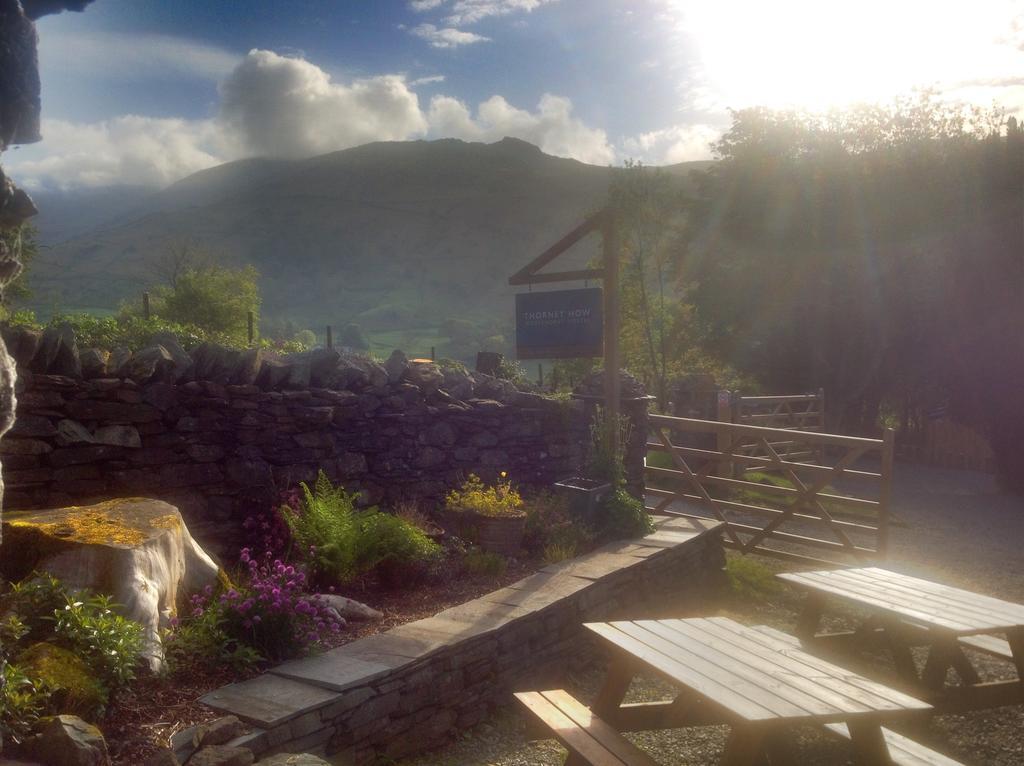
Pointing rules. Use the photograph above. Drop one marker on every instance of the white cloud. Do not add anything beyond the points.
(680, 143)
(429, 80)
(552, 126)
(472, 11)
(145, 151)
(420, 6)
(447, 37)
(273, 105)
(288, 107)
(112, 54)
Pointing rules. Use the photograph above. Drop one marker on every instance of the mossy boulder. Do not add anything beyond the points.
(74, 688)
(136, 550)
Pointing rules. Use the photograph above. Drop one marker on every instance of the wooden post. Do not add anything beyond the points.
(145, 305)
(329, 337)
(252, 326)
(611, 328)
(432, 359)
(540, 374)
(725, 413)
(822, 428)
(885, 492)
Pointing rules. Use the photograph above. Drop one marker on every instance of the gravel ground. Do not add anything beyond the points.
(953, 526)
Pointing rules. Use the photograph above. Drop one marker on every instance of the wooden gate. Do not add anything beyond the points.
(798, 412)
(769, 502)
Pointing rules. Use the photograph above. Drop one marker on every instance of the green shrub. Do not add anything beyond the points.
(109, 643)
(394, 546)
(338, 541)
(476, 497)
(555, 552)
(202, 642)
(70, 681)
(549, 524)
(323, 529)
(622, 515)
(32, 603)
(22, 702)
(477, 562)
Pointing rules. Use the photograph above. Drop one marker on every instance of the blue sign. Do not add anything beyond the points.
(560, 324)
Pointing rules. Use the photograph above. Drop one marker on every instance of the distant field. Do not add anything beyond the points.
(415, 343)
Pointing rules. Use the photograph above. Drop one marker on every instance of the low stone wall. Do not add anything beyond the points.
(220, 452)
(411, 688)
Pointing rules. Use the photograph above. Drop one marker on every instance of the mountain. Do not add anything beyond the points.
(391, 235)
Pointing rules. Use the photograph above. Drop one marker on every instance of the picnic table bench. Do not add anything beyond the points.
(760, 684)
(904, 612)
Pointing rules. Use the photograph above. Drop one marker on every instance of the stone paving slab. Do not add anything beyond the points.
(562, 584)
(383, 646)
(447, 631)
(339, 669)
(479, 612)
(632, 549)
(593, 566)
(268, 700)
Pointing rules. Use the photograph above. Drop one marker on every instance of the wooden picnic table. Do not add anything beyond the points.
(904, 612)
(751, 678)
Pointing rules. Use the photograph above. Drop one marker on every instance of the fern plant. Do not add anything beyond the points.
(323, 529)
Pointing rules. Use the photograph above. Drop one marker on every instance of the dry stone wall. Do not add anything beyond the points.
(221, 450)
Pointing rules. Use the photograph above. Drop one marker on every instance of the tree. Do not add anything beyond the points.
(17, 289)
(214, 298)
(659, 337)
(876, 252)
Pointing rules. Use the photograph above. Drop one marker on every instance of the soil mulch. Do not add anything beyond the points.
(142, 718)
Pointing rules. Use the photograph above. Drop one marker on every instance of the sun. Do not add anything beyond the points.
(823, 53)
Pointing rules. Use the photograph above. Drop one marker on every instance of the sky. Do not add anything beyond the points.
(145, 92)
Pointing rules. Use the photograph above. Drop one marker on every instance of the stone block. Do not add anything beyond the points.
(337, 669)
(269, 700)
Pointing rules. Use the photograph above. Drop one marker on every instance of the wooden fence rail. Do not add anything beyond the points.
(795, 412)
(831, 506)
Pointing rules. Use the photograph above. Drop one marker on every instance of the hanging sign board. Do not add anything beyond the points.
(561, 324)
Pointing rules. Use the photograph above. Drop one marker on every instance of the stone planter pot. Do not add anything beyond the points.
(585, 496)
(499, 534)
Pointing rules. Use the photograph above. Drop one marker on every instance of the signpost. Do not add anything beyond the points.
(560, 329)
(560, 324)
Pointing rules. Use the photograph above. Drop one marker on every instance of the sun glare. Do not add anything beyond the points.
(819, 54)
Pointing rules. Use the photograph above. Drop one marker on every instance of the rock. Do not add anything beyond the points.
(395, 366)
(273, 373)
(162, 757)
(136, 550)
(73, 687)
(22, 342)
(289, 759)
(221, 731)
(489, 362)
(323, 367)
(350, 608)
(222, 755)
(183, 365)
(151, 363)
(215, 363)
(117, 362)
(218, 732)
(34, 426)
(425, 375)
(57, 353)
(72, 432)
(495, 389)
(357, 372)
(94, 363)
(118, 436)
(457, 383)
(248, 369)
(67, 740)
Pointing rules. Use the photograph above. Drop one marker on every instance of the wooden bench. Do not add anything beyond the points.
(902, 750)
(588, 739)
